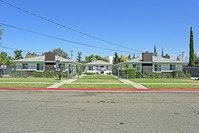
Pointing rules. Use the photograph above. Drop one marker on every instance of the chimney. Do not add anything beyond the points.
(49, 56)
(147, 57)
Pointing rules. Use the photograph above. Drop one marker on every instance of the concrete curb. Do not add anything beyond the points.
(97, 89)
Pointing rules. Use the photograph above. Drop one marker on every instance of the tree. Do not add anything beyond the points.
(116, 59)
(191, 48)
(166, 56)
(178, 58)
(18, 55)
(4, 59)
(155, 49)
(1, 32)
(79, 56)
(133, 55)
(94, 57)
(129, 57)
(60, 52)
(123, 58)
(31, 53)
(162, 53)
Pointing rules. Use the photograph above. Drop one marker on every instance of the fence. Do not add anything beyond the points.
(6, 70)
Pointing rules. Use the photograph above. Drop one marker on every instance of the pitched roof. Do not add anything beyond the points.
(99, 62)
(155, 60)
(41, 59)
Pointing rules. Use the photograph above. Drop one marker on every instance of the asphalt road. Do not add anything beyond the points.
(98, 112)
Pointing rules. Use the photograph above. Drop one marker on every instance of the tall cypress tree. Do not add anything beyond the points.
(162, 53)
(155, 49)
(191, 49)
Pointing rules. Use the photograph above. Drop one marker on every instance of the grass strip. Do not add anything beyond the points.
(172, 86)
(154, 80)
(111, 86)
(19, 85)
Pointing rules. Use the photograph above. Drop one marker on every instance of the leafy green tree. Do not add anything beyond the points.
(116, 59)
(60, 52)
(166, 56)
(31, 53)
(94, 57)
(191, 48)
(5, 59)
(162, 53)
(178, 58)
(79, 57)
(18, 55)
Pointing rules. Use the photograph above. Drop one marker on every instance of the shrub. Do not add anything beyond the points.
(131, 72)
(139, 74)
(38, 74)
(50, 74)
(18, 74)
(147, 75)
(65, 74)
(177, 73)
(80, 71)
(188, 75)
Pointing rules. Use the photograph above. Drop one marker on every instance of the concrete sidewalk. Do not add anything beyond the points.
(136, 85)
(69, 81)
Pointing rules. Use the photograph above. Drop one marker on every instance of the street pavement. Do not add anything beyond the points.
(30, 111)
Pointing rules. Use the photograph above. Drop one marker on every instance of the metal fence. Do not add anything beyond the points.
(5, 70)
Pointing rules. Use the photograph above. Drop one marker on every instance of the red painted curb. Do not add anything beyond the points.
(97, 89)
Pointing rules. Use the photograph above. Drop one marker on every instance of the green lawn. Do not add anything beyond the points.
(95, 79)
(29, 79)
(172, 86)
(20, 85)
(153, 80)
(116, 86)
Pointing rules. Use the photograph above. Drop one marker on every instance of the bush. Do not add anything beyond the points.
(188, 75)
(131, 72)
(65, 74)
(80, 71)
(147, 75)
(50, 74)
(38, 74)
(89, 73)
(139, 74)
(177, 72)
(18, 74)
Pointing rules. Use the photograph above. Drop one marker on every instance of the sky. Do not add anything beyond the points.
(137, 24)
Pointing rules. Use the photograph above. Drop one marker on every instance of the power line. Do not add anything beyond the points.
(65, 40)
(19, 49)
(53, 22)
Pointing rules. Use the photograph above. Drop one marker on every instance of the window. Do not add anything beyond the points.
(40, 67)
(106, 67)
(25, 66)
(134, 65)
(157, 68)
(172, 67)
(90, 67)
(138, 67)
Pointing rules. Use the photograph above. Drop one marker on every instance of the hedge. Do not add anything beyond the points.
(18, 74)
(38, 74)
(50, 74)
(131, 72)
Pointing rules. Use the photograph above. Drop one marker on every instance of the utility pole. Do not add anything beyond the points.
(182, 55)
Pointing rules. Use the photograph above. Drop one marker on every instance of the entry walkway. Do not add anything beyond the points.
(69, 81)
(136, 85)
